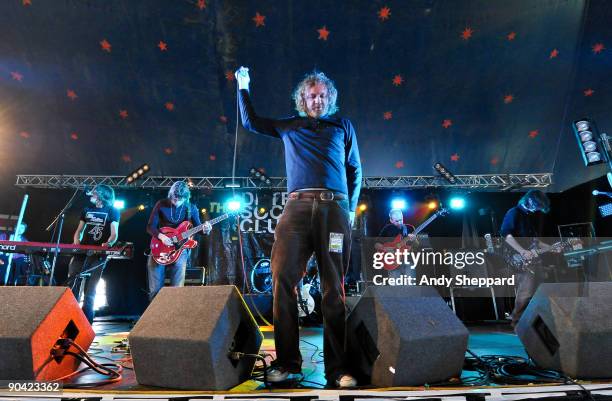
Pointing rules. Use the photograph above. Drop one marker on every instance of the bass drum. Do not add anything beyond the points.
(261, 277)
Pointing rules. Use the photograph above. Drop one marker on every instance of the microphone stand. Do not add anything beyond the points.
(58, 229)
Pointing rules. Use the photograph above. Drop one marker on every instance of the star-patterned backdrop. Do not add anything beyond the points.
(100, 87)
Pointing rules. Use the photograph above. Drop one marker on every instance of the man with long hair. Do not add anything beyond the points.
(171, 212)
(521, 233)
(323, 181)
(99, 225)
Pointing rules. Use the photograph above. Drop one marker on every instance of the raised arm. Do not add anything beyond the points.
(250, 120)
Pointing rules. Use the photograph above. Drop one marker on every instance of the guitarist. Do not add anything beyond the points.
(396, 228)
(171, 212)
(521, 233)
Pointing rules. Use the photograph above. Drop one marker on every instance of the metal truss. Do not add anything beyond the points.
(503, 182)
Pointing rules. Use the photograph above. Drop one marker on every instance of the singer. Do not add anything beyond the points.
(323, 180)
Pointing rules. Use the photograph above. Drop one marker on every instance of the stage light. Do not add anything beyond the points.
(605, 210)
(398, 204)
(443, 171)
(257, 174)
(136, 174)
(432, 205)
(262, 210)
(234, 204)
(588, 138)
(119, 204)
(203, 210)
(141, 207)
(363, 207)
(457, 203)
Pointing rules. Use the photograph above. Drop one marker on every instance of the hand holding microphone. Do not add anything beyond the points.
(242, 77)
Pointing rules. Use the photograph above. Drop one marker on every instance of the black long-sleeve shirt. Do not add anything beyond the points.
(164, 214)
(319, 153)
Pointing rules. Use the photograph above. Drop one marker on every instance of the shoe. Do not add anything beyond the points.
(345, 381)
(276, 374)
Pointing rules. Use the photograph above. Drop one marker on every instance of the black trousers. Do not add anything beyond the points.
(79, 264)
(306, 226)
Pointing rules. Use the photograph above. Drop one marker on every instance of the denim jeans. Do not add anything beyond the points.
(79, 264)
(157, 273)
(306, 226)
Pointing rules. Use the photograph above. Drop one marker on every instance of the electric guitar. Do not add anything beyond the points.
(181, 239)
(402, 243)
(517, 262)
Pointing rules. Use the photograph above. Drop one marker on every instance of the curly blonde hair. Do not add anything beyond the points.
(309, 81)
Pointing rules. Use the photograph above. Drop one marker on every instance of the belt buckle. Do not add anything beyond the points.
(326, 196)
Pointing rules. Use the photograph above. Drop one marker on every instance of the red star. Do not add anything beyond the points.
(259, 19)
(24, 134)
(494, 160)
(163, 46)
(454, 157)
(447, 123)
(399, 164)
(588, 92)
(169, 106)
(554, 53)
(398, 80)
(598, 48)
(212, 157)
(126, 158)
(106, 46)
(508, 99)
(323, 33)
(387, 115)
(168, 151)
(16, 76)
(27, 2)
(467, 33)
(71, 94)
(223, 119)
(533, 133)
(74, 136)
(384, 13)
(511, 36)
(201, 4)
(123, 114)
(229, 76)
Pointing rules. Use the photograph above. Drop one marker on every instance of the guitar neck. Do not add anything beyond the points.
(212, 222)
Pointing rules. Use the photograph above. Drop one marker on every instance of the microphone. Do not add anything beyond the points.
(596, 192)
(489, 242)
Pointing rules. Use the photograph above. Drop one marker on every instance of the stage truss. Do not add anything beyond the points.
(499, 182)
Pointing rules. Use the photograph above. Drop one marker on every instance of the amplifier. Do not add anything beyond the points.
(193, 276)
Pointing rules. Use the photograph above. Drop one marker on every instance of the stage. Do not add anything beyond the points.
(495, 338)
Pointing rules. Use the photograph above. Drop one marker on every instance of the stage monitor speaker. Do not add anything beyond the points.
(405, 336)
(32, 320)
(184, 338)
(567, 327)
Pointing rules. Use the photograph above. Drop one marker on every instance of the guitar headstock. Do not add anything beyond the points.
(442, 212)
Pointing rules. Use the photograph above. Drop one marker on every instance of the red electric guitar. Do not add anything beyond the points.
(402, 243)
(181, 238)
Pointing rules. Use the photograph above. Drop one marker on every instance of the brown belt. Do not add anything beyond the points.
(322, 195)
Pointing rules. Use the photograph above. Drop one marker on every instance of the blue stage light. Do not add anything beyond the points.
(398, 203)
(457, 203)
(119, 204)
(234, 205)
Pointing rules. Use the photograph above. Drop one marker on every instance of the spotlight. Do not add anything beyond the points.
(203, 210)
(141, 207)
(443, 171)
(605, 210)
(363, 207)
(398, 204)
(234, 204)
(588, 137)
(258, 174)
(457, 203)
(432, 205)
(119, 204)
(262, 210)
(136, 174)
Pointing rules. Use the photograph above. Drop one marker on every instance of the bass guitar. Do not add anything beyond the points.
(181, 237)
(402, 243)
